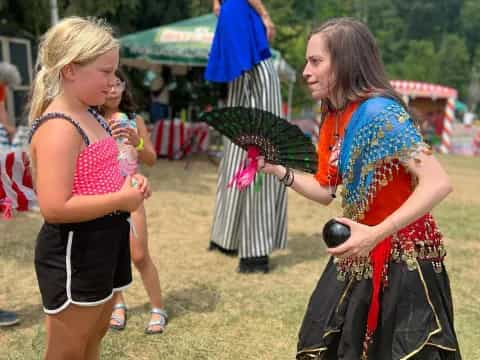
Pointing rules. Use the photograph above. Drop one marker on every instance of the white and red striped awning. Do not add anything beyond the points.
(175, 138)
(16, 182)
(421, 89)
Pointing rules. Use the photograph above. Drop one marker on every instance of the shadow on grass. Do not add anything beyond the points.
(197, 299)
(303, 248)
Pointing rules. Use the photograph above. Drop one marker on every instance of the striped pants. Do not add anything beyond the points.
(254, 223)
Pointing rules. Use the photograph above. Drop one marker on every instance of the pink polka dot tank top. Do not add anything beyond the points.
(97, 169)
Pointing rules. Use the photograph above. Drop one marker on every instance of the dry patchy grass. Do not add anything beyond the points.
(215, 312)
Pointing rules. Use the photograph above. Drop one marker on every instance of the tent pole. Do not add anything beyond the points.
(448, 121)
(289, 106)
(53, 12)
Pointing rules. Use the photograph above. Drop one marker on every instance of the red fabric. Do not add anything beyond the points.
(389, 198)
(6, 209)
(21, 198)
(379, 258)
(326, 141)
(170, 144)
(159, 137)
(98, 171)
(182, 135)
(175, 139)
(27, 176)
(16, 182)
(191, 134)
(3, 90)
(3, 194)
(386, 201)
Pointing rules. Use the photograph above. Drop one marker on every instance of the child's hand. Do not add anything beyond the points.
(131, 196)
(119, 130)
(114, 124)
(130, 135)
(141, 182)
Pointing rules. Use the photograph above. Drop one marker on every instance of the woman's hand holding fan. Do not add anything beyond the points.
(266, 137)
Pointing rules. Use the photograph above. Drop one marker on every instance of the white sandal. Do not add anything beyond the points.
(161, 323)
(120, 323)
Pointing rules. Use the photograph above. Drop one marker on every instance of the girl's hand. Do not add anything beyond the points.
(131, 135)
(131, 196)
(362, 240)
(142, 184)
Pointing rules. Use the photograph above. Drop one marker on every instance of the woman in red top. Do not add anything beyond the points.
(385, 293)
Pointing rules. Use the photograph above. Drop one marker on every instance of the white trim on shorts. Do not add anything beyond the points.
(69, 301)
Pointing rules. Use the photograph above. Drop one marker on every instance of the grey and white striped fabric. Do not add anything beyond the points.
(253, 222)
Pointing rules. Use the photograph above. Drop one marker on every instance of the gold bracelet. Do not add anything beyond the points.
(141, 145)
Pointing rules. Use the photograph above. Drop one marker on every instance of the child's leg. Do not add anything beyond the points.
(118, 298)
(142, 260)
(93, 347)
(118, 313)
(70, 332)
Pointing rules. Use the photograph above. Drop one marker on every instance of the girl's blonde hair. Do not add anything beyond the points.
(72, 40)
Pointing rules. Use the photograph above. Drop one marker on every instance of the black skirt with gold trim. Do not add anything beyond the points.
(415, 322)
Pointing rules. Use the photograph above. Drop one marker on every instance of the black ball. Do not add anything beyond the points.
(335, 233)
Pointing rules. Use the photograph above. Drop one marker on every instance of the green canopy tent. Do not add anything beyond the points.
(184, 43)
(460, 106)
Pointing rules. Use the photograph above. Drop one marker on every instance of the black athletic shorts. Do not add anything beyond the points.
(83, 263)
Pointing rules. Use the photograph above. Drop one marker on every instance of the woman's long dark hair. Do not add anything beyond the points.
(127, 104)
(358, 71)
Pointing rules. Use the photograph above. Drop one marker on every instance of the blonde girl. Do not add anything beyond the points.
(82, 252)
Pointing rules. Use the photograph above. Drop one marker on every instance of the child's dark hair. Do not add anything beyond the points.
(127, 104)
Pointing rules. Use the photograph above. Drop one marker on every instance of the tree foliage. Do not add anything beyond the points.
(421, 40)
(425, 40)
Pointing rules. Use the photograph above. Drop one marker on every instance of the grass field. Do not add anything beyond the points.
(216, 313)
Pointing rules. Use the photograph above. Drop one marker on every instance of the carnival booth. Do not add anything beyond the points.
(435, 106)
(182, 47)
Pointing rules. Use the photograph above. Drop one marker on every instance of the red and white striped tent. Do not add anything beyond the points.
(16, 187)
(175, 138)
(414, 89)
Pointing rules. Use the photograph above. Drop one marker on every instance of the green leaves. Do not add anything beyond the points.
(423, 40)
(454, 63)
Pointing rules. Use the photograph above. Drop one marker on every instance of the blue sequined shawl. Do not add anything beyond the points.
(380, 136)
